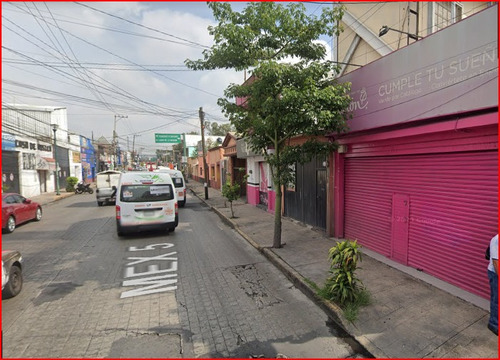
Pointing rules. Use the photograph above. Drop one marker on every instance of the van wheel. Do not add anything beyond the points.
(172, 229)
(182, 203)
(100, 203)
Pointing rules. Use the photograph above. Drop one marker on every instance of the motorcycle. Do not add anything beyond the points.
(82, 188)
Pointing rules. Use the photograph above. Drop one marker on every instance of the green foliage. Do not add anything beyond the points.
(231, 192)
(283, 100)
(342, 285)
(71, 181)
(215, 129)
(265, 31)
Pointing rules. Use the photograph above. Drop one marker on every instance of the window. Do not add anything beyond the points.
(142, 193)
(29, 161)
(445, 14)
(178, 182)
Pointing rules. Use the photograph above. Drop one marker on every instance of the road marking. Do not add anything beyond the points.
(154, 280)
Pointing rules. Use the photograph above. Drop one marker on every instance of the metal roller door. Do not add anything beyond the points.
(434, 212)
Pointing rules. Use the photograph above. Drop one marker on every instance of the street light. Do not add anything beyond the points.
(54, 129)
(385, 29)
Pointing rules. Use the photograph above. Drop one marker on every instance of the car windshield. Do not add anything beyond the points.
(178, 182)
(141, 193)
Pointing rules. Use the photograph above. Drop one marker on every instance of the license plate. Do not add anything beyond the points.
(181, 194)
(148, 213)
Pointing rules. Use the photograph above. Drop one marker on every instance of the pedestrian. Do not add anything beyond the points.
(493, 276)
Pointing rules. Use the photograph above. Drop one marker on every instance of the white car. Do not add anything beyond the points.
(12, 275)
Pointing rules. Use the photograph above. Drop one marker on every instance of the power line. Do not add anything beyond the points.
(143, 26)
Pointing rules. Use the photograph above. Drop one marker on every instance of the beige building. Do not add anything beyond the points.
(365, 39)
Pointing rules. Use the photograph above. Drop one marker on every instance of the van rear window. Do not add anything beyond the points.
(141, 193)
(178, 182)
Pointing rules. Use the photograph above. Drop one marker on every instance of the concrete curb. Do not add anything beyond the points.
(332, 310)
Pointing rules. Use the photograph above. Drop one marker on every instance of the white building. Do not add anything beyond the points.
(28, 152)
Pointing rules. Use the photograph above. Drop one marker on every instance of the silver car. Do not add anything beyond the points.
(12, 275)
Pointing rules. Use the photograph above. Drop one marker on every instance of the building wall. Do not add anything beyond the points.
(371, 17)
(32, 128)
(214, 158)
(416, 177)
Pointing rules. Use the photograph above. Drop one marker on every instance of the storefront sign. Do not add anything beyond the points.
(43, 147)
(8, 142)
(452, 71)
(42, 164)
(76, 157)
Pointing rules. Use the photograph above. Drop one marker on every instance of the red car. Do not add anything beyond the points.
(16, 209)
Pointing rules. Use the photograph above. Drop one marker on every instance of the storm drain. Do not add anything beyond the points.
(253, 285)
(148, 346)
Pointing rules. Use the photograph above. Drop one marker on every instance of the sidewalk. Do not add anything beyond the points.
(408, 317)
(47, 198)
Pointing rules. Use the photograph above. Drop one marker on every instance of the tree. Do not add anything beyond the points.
(218, 130)
(231, 192)
(282, 100)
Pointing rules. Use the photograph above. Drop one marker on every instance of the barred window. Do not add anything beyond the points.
(29, 161)
(445, 14)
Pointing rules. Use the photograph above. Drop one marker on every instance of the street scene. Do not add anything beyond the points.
(250, 179)
(202, 291)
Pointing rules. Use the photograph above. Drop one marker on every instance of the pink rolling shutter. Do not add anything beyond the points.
(453, 210)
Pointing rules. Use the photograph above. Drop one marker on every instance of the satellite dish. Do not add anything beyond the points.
(219, 140)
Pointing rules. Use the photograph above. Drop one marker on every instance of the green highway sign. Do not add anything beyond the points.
(168, 138)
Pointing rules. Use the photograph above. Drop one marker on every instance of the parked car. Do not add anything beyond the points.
(16, 209)
(12, 275)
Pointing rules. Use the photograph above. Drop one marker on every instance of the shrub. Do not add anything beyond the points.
(342, 286)
(71, 181)
(231, 192)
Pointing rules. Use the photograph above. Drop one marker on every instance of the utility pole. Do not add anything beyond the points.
(133, 149)
(56, 173)
(205, 167)
(117, 117)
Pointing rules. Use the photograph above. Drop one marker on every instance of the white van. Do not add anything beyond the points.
(180, 184)
(145, 201)
(106, 184)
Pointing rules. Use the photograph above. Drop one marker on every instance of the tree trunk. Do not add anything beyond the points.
(277, 218)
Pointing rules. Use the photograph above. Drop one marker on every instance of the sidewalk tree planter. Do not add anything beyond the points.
(282, 100)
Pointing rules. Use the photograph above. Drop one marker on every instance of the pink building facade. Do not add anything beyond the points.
(416, 178)
(259, 189)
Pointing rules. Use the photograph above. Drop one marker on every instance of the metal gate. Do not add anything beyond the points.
(432, 212)
(63, 163)
(306, 202)
(10, 171)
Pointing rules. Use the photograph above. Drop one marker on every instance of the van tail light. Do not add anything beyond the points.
(118, 212)
(184, 192)
(176, 208)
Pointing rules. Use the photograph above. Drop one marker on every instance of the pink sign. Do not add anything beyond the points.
(452, 71)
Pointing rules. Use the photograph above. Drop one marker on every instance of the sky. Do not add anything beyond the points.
(115, 63)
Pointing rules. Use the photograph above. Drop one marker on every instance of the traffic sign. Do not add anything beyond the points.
(168, 138)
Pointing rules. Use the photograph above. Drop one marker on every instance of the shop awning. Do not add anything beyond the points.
(45, 163)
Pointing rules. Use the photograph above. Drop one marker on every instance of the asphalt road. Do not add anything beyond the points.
(201, 291)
